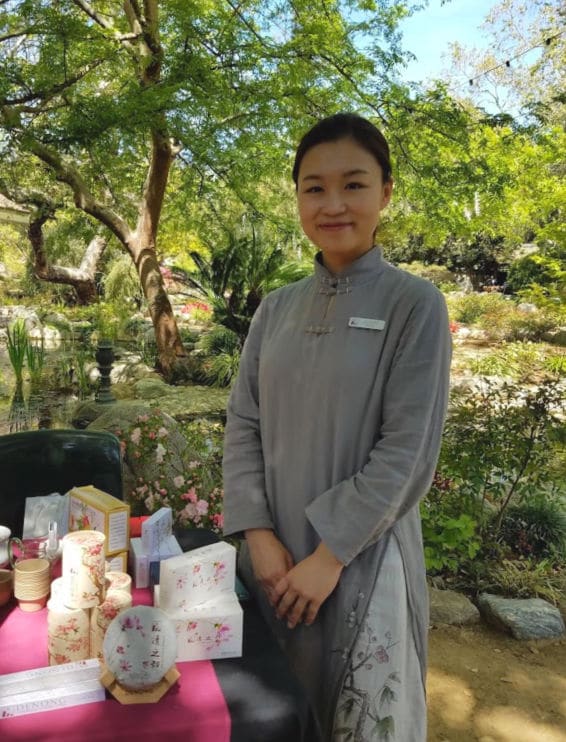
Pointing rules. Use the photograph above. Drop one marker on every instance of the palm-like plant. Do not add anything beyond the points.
(236, 277)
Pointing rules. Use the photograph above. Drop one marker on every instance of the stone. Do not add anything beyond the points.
(452, 608)
(530, 618)
(121, 418)
(150, 388)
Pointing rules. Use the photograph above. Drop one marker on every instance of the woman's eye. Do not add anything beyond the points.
(355, 186)
(313, 189)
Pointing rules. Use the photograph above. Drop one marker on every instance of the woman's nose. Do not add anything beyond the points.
(334, 202)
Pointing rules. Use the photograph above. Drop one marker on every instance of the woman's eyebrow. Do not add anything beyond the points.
(347, 174)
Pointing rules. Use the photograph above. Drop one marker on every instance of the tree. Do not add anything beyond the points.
(523, 72)
(110, 97)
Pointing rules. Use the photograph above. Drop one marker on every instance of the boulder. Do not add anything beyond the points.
(150, 388)
(120, 418)
(452, 608)
(531, 618)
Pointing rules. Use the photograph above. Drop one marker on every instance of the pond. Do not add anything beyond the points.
(50, 404)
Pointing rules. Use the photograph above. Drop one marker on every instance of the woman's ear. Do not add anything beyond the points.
(387, 193)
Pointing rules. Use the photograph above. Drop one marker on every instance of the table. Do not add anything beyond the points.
(253, 698)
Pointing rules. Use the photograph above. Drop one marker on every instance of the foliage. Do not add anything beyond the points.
(17, 348)
(121, 283)
(220, 360)
(194, 491)
(521, 361)
(468, 308)
(439, 275)
(499, 442)
(450, 538)
(35, 358)
(542, 269)
(502, 318)
(536, 528)
(515, 578)
(238, 274)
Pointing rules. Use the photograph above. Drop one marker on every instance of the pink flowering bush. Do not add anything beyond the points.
(189, 482)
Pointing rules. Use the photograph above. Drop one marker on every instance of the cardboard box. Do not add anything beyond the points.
(45, 678)
(208, 631)
(95, 510)
(156, 530)
(118, 562)
(198, 576)
(141, 563)
(89, 691)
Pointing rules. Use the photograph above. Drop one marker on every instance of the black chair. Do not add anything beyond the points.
(39, 462)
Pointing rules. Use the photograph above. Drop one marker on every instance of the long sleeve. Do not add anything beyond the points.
(353, 514)
(245, 504)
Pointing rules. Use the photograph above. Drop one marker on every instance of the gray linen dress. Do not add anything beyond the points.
(333, 432)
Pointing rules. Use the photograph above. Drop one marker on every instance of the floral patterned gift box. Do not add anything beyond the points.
(156, 530)
(198, 576)
(208, 631)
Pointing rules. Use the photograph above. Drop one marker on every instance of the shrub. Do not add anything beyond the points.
(499, 445)
(450, 539)
(220, 351)
(468, 308)
(536, 528)
(537, 268)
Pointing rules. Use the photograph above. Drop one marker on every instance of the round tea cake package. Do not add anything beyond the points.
(140, 646)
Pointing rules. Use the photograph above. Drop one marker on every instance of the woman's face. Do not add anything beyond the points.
(340, 193)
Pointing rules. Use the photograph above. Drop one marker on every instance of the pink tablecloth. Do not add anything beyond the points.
(194, 710)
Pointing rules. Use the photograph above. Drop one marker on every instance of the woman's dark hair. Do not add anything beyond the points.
(346, 126)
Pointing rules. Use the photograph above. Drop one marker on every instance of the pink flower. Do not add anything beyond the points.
(189, 510)
(162, 432)
(218, 520)
(135, 436)
(202, 507)
(192, 495)
(179, 481)
(151, 435)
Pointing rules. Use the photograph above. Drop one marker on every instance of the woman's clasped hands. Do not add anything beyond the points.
(296, 591)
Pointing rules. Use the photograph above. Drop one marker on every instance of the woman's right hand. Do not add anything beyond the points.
(270, 559)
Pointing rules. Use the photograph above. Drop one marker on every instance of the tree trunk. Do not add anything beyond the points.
(172, 358)
(81, 279)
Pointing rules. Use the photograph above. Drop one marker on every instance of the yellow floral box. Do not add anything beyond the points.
(95, 510)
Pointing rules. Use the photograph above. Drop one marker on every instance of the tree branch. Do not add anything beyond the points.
(47, 94)
(103, 23)
(83, 198)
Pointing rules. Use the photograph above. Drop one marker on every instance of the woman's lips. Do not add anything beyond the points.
(334, 227)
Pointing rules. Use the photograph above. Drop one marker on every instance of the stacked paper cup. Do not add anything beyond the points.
(84, 599)
(31, 583)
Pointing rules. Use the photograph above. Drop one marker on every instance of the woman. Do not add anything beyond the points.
(332, 437)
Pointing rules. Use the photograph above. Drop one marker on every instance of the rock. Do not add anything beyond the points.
(450, 607)
(122, 390)
(151, 388)
(531, 618)
(29, 316)
(120, 418)
(526, 307)
(50, 336)
(556, 337)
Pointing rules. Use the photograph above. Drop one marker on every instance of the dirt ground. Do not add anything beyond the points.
(484, 686)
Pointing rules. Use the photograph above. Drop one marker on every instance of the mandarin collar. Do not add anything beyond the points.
(362, 270)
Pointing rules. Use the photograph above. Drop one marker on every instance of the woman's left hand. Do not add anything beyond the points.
(306, 586)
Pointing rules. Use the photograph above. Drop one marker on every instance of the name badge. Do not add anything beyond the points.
(365, 323)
